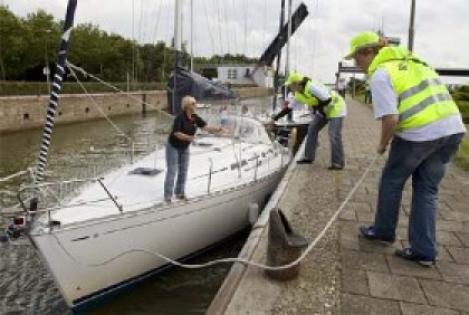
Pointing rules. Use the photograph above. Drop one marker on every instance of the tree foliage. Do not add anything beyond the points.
(28, 44)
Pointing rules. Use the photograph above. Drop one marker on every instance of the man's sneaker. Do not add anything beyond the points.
(335, 168)
(409, 254)
(368, 232)
(304, 161)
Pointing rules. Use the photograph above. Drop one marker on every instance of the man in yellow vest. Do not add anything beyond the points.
(329, 110)
(423, 125)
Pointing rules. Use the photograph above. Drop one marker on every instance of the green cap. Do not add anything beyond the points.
(362, 40)
(294, 77)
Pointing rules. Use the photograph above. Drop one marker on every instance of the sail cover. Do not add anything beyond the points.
(280, 40)
(191, 83)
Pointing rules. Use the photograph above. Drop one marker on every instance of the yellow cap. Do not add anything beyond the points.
(362, 40)
(294, 77)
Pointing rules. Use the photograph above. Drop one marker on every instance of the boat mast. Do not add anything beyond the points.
(192, 35)
(279, 55)
(55, 92)
(177, 48)
(287, 59)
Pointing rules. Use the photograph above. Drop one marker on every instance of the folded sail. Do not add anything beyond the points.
(191, 83)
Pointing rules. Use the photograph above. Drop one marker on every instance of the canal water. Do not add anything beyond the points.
(88, 149)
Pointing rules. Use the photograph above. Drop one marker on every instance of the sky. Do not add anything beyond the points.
(248, 26)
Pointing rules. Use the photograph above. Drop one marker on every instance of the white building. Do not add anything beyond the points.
(235, 74)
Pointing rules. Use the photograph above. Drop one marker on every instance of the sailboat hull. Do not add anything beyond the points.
(94, 258)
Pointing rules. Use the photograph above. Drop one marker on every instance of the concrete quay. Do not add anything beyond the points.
(346, 274)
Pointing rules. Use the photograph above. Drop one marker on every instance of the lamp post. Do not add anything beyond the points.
(46, 58)
(410, 44)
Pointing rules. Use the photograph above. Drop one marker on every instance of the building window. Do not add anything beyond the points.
(232, 74)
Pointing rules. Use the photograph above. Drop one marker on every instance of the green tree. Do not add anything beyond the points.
(41, 34)
(12, 45)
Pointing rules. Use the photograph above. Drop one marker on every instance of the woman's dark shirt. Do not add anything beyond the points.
(187, 126)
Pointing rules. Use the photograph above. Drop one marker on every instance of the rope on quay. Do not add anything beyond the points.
(236, 259)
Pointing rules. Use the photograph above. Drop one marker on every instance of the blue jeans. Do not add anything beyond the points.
(335, 137)
(177, 161)
(426, 162)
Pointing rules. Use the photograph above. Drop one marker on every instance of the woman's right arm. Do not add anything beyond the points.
(183, 136)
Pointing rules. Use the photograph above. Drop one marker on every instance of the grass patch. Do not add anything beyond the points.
(464, 109)
(462, 156)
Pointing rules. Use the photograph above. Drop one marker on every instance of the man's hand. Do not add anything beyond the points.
(388, 126)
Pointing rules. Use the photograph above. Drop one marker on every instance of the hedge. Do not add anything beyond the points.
(40, 88)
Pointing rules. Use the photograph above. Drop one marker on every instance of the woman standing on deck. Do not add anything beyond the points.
(177, 149)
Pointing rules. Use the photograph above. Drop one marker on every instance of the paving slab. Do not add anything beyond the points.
(417, 309)
(447, 295)
(395, 287)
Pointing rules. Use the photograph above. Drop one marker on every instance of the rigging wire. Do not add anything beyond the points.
(133, 41)
(235, 26)
(87, 74)
(120, 131)
(141, 31)
(316, 12)
(224, 28)
(212, 41)
(219, 27)
(265, 43)
(157, 22)
(246, 12)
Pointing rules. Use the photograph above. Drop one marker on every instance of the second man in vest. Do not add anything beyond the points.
(329, 108)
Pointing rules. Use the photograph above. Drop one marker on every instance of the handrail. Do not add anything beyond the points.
(46, 185)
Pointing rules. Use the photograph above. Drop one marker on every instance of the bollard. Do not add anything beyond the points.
(253, 213)
(284, 246)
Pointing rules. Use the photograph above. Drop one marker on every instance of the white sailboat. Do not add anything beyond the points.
(110, 232)
(103, 238)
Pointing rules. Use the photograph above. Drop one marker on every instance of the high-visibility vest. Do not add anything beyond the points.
(422, 97)
(332, 110)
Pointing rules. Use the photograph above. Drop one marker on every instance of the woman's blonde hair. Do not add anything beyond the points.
(186, 101)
